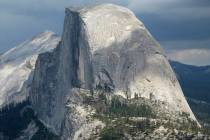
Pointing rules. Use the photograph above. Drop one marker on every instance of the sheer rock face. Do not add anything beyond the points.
(107, 47)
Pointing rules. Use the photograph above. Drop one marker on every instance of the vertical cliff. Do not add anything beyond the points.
(103, 48)
(57, 72)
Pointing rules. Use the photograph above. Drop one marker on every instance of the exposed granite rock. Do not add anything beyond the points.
(17, 66)
(103, 47)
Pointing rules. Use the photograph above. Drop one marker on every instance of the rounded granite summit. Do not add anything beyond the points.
(103, 47)
(108, 24)
(119, 44)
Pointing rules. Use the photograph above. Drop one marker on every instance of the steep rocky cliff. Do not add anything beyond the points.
(17, 120)
(107, 64)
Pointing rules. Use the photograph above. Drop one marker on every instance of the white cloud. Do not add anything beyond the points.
(20, 19)
(197, 57)
(193, 52)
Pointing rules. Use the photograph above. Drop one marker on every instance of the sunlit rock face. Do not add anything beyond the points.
(106, 47)
(17, 65)
(127, 59)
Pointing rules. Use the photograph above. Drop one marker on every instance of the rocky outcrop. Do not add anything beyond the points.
(17, 65)
(105, 48)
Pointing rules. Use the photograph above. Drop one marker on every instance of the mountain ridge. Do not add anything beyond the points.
(17, 64)
(106, 78)
(94, 63)
(194, 80)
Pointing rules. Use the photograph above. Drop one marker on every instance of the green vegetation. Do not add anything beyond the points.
(185, 125)
(15, 118)
(133, 117)
(43, 133)
(116, 129)
(12, 121)
(202, 113)
(116, 112)
(111, 134)
(118, 108)
(115, 106)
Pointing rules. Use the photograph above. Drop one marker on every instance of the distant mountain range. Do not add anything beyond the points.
(195, 83)
(195, 80)
(106, 78)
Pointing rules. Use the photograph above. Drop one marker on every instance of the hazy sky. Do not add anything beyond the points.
(181, 26)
